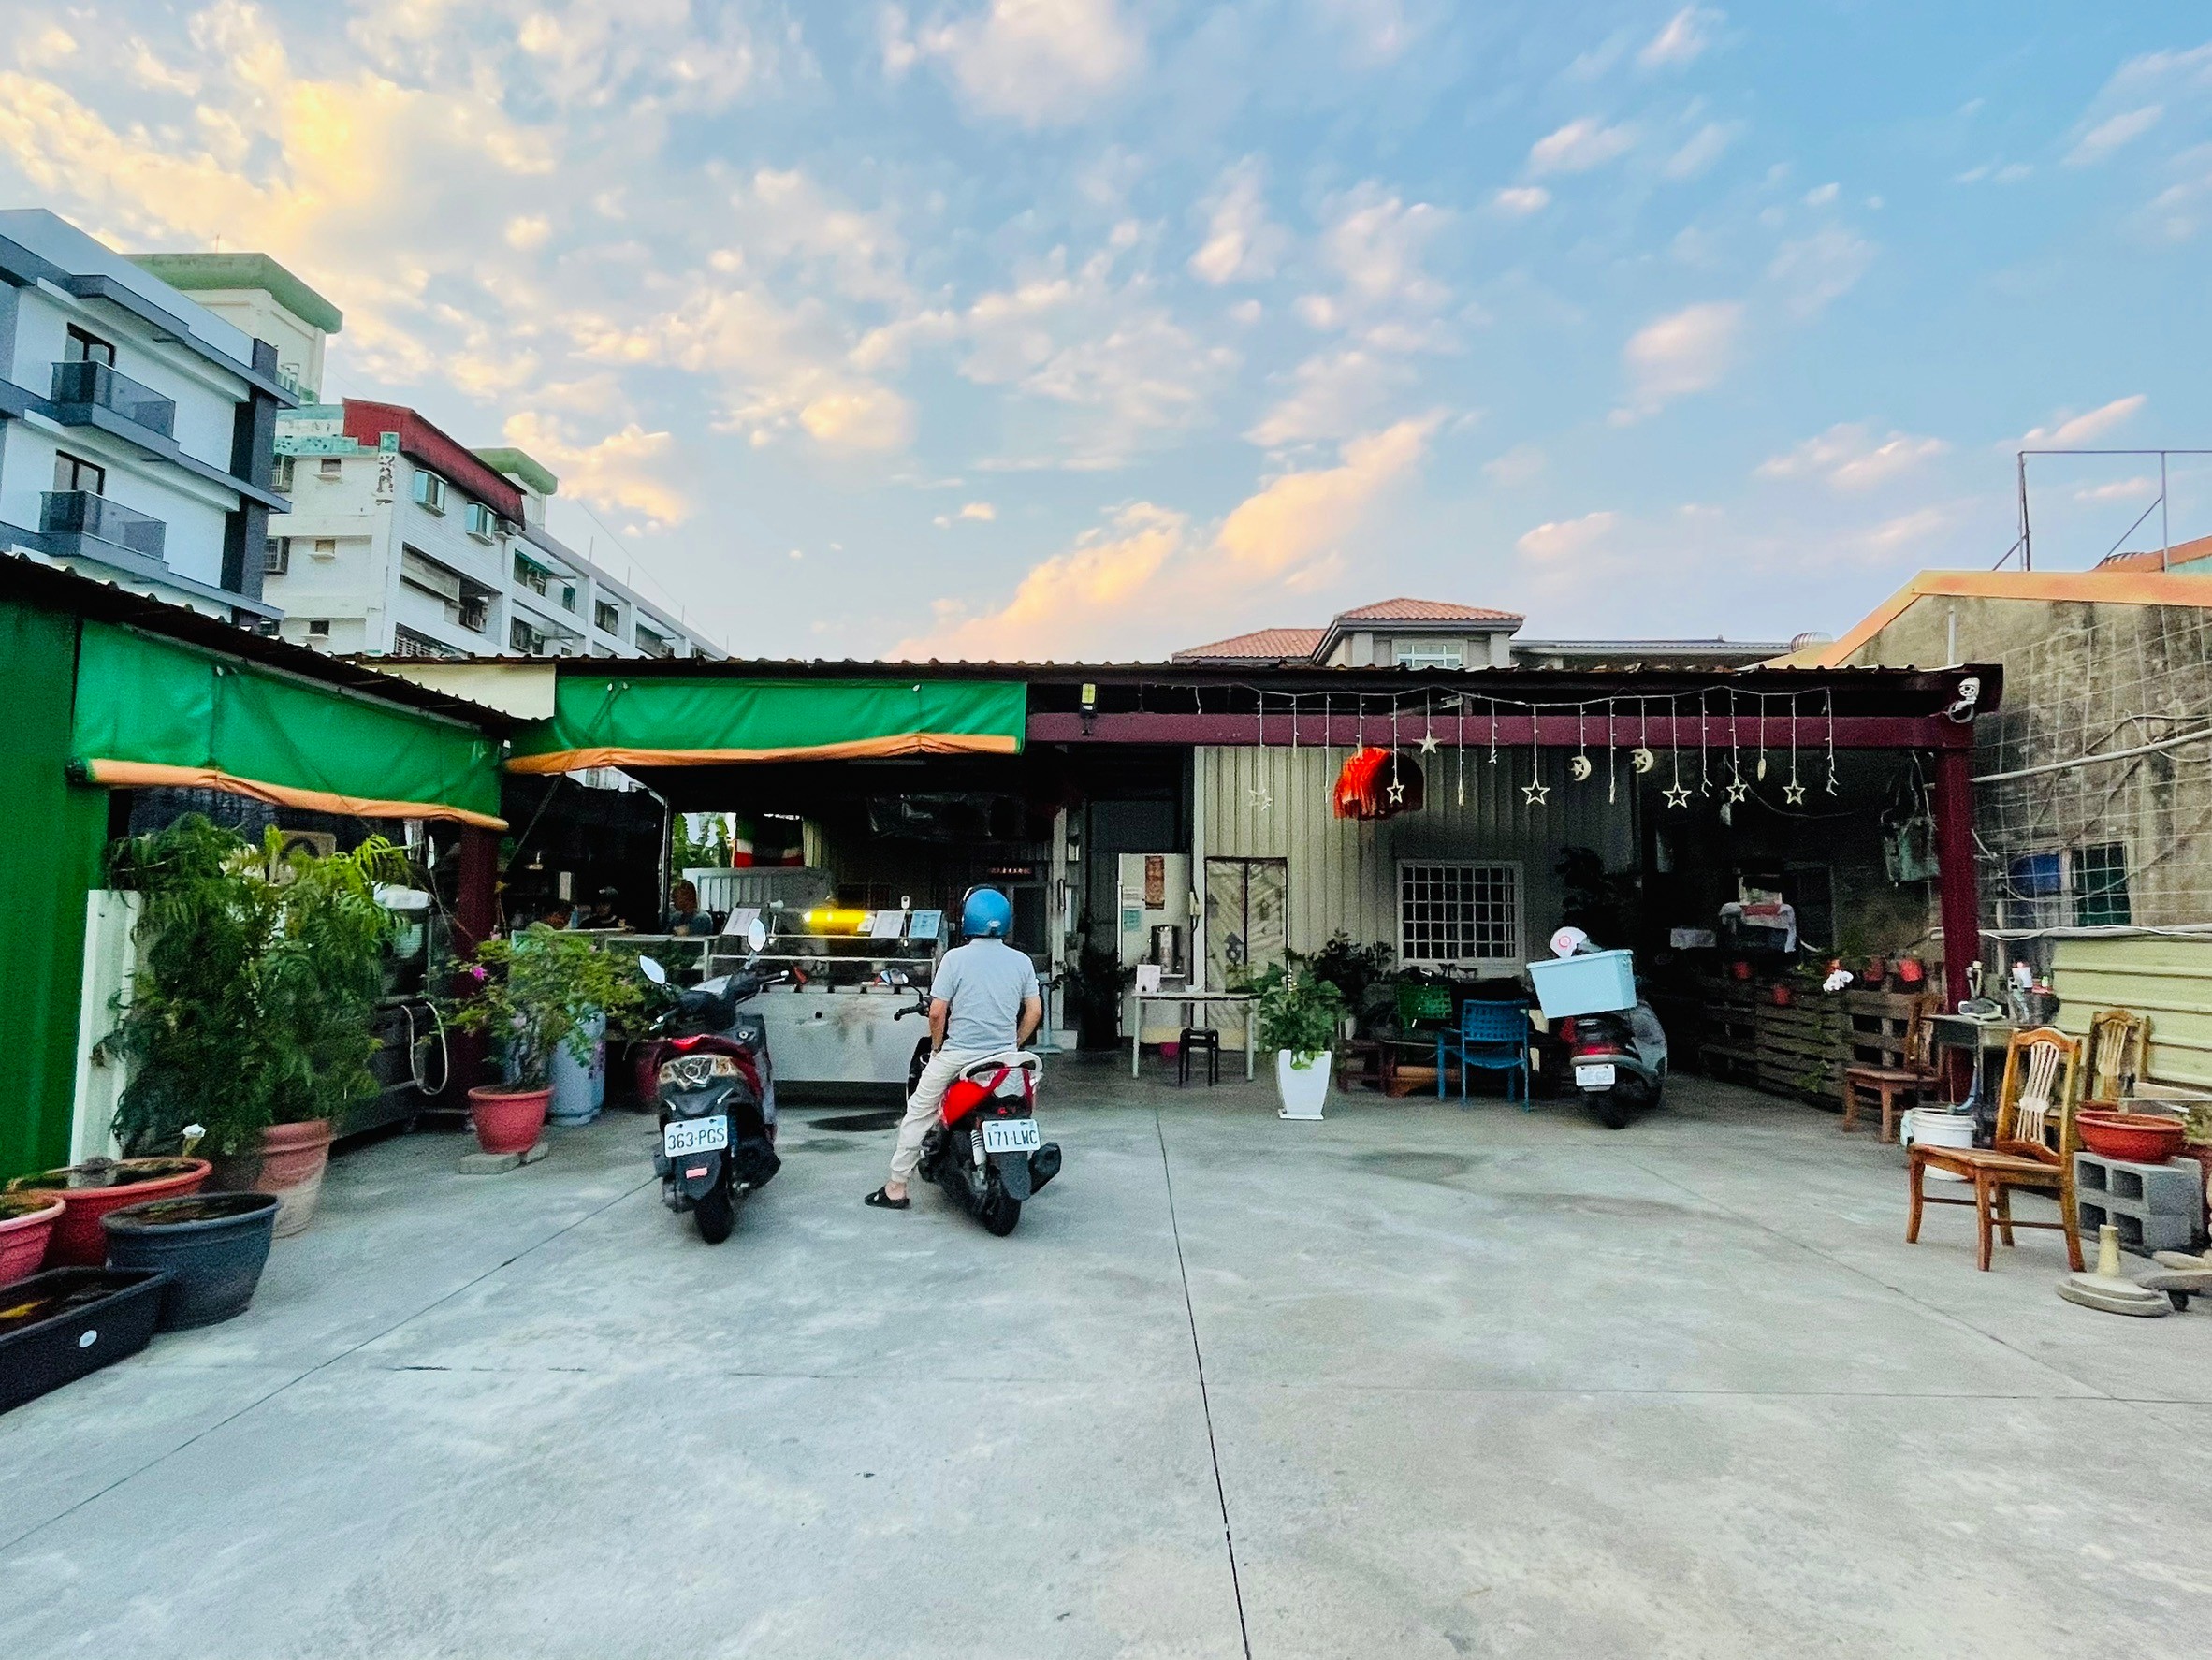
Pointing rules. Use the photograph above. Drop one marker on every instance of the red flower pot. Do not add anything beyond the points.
(26, 1224)
(289, 1163)
(2132, 1138)
(90, 1191)
(508, 1120)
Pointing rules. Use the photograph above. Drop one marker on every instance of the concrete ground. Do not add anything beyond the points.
(1417, 1381)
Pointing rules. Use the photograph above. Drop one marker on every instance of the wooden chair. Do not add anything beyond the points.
(2035, 1143)
(2118, 1038)
(1889, 1085)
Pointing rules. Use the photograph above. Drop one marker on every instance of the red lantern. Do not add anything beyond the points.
(1377, 783)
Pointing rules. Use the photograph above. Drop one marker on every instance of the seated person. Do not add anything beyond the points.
(601, 914)
(684, 915)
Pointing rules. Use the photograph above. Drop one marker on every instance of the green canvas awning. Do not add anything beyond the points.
(607, 721)
(153, 711)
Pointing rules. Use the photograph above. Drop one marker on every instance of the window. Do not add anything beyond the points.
(329, 468)
(1456, 912)
(280, 475)
(430, 490)
(525, 639)
(1431, 654)
(277, 556)
(528, 576)
(483, 523)
(607, 617)
(407, 643)
(71, 474)
(567, 597)
(88, 348)
(319, 629)
(651, 644)
(326, 547)
(475, 612)
(2100, 886)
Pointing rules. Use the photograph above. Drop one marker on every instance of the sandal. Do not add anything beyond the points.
(883, 1201)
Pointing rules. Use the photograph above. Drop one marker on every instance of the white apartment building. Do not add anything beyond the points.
(136, 425)
(402, 543)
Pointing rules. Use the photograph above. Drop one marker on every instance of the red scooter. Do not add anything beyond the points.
(985, 1149)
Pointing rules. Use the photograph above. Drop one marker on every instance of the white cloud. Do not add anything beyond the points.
(2120, 489)
(1820, 268)
(1114, 589)
(1333, 393)
(1569, 539)
(1821, 196)
(529, 232)
(1521, 200)
(1522, 464)
(1376, 243)
(1378, 28)
(624, 469)
(1684, 352)
(1042, 63)
(2072, 432)
(1683, 40)
(859, 419)
(1578, 146)
(51, 46)
(1701, 149)
(1241, 243)
(2112, 134)
(1848, 457)
(978, 512)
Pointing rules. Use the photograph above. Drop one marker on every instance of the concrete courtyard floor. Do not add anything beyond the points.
(1419, 1380)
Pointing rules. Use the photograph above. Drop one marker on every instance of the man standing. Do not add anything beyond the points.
(983, 1001)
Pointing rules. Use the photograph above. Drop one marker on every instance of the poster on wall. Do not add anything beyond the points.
(1156, 881)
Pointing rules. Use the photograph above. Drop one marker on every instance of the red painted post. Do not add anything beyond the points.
(1961, 899)
(475, 919)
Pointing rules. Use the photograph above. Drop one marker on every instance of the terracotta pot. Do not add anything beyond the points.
(26, 1223)
(1741, 970)
(90, 1191)
(2132, 1138)
(508, 1120)
(1911, 971)
(289, 1163)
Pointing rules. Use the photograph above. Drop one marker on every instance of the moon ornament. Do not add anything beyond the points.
(1578, 768)
(1642, 759)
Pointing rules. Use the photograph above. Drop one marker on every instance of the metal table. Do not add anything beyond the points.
(1963, 1031)
(1186, 998)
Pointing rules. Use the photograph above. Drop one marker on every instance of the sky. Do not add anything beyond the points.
(1093, 329)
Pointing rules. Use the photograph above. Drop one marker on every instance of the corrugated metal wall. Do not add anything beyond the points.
(1344, 873)
(2168, 979)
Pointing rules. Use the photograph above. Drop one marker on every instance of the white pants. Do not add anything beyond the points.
(924, 1103)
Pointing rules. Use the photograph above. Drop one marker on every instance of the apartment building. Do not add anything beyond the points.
(137, 425)
(402, 542)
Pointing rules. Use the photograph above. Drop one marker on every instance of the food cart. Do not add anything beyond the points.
(833, 1028)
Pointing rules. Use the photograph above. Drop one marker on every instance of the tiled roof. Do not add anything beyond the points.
(1261, 645)
(1425, 611)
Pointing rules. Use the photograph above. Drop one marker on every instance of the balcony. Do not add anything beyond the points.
(83, 515)
(79, 386)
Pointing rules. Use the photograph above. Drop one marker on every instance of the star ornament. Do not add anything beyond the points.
(1794, 793)
(1677, 796)
(1535, 794)
(1737, 791)
(1396, 793)
(1428, 743)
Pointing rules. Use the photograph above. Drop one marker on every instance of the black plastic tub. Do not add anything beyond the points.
(67, 1323)
(212, 1246)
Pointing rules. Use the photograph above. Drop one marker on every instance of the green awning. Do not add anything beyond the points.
(607, 721)
(153, 711)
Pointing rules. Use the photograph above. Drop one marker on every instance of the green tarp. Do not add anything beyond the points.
(609, 721)
(152, 711)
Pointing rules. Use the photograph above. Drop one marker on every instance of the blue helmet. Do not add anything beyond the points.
(986, 914)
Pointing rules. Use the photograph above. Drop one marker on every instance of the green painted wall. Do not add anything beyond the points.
(52, 841)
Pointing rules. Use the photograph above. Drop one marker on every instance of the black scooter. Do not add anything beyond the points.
(716, 1092)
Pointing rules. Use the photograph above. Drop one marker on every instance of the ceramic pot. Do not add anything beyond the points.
(290, 1163)
(579, 1087)
(508, 1120)
(1301, 1088)
(212, 1246)
(89, 1191)
(26, 1224)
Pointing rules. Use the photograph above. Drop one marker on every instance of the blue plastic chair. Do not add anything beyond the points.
(1494, 1037)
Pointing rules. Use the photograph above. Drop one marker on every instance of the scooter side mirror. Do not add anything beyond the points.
(652, 970)
(756, 935)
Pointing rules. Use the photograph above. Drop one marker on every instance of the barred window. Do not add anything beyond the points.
(1459, 911)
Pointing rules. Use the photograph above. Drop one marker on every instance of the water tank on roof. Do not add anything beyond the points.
(1811, 638)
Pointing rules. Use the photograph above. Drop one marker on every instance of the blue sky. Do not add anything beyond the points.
(1095, 328)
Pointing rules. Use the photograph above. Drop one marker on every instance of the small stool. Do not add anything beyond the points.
(1198, 1037)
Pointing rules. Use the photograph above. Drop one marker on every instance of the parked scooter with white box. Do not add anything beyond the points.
(1616, 1048)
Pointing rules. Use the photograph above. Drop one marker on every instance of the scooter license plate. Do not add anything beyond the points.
(1593, 1074)
(681, 1135)
(1011, 1135)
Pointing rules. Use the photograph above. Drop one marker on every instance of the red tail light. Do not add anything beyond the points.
(686, 1043)
(1567, 1031)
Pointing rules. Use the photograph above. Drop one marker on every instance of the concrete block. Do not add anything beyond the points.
(498, 1164)
(2139, 1233)
(2175, 1187)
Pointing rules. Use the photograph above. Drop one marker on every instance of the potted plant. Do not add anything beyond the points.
(211, 1245)
(252, 1014)
(1092, 985)
(89, 1190)
(26, 1223)
(536, 994)
(1363, 974)
(1299, 1015)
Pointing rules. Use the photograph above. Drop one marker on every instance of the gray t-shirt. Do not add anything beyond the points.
(986, 982)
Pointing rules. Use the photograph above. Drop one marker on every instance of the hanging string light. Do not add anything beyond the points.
(1793, 792)
(1737, 789)
(1259, 794)
(1397, 790)
(1679, 794)
(1761, 773)
(1536, 791)
(1460, 752)
(1831, 697)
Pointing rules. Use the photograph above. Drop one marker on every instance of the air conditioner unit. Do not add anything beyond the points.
(483, 523)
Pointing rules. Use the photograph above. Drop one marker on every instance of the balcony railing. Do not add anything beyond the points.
(80, 512)
(97, 383)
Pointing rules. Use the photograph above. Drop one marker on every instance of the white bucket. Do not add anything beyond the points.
(1938, 1129)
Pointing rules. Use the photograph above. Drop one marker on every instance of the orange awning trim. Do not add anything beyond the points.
(141, 773)
(906, 743)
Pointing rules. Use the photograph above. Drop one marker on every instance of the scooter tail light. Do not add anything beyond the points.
(692, 1043)
(1567, 1031)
